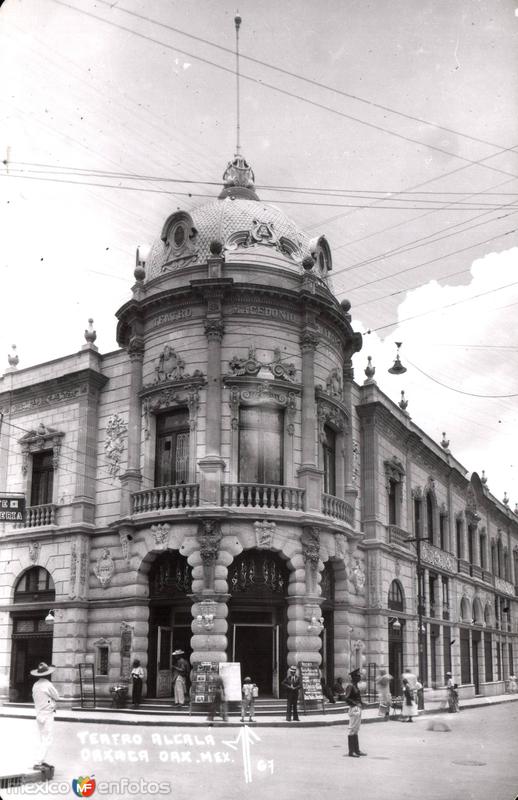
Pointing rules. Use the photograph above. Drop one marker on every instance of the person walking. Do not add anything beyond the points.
(453, 695)
(292, 684)
(513, 686)
(249, 692)
(219, 701)
(180, 671)
(45, 698)
(353, 699)
(385, 696)
(409, 708)
(137, 678)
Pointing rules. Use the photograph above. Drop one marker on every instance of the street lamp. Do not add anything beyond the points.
(395, 623)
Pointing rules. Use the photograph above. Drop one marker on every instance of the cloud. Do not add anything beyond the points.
(458, 349)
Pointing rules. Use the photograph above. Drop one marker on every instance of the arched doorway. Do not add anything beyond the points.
(170, 619)
(258, 585)
(396, 627)
(32, 636)
(327, 587)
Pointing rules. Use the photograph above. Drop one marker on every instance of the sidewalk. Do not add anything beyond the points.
(312, 719)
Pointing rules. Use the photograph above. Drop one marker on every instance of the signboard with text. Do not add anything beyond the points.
(12, 509)
(311, 685)
(203, 676)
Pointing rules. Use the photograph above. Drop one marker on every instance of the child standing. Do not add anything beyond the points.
(249, 692)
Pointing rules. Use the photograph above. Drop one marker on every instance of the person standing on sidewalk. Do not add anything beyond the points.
(45, 697)
(137, 677)
(353, 699)
(453, 695)
(180, 671)
(219, 702)
(292, 684)
(385, 696)
(249, 692)
(409, 709)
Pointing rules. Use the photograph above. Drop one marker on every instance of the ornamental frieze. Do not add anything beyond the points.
(51, 399)
(329, 413)
(116, 430)
(251, 366)
(169, 397)
(258, 393)
(438, 558)
(504, 586)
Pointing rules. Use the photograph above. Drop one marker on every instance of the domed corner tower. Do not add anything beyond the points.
(239, 429)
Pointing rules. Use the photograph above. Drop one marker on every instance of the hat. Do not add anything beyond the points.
(42, 670)
(293, 669)
(512, 677)
(448, 673)
(178, 652)
(247, 680)
(355, 673)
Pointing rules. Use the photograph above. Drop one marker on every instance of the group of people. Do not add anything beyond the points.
(411, 687)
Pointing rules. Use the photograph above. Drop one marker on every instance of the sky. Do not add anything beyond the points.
(389, 127)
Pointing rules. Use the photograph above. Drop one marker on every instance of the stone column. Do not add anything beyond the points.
(426, 591)
(209, 609)
(304, 600)
(212, 465)
(131, 479)
(341, 450)
(310, 477)
(439, 657)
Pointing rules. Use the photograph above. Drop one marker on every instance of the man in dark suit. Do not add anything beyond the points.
(292, 684)
(353, 699)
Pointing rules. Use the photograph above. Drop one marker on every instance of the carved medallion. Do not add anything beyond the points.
(34, 551)
(264, 533)
(160, 534)
(104, 568)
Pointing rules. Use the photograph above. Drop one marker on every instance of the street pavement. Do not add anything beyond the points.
(476, 759)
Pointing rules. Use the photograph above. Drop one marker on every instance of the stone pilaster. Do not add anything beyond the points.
(132, 478)
(310, 477)
(83, 504)
(209, 609)
(212, 465)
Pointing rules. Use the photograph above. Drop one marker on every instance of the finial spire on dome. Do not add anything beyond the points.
(238, 178)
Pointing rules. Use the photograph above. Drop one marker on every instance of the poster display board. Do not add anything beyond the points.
(311, 686)
(230, 671)
(204, 673)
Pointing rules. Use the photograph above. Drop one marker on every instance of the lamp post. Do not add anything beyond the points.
(420, 626)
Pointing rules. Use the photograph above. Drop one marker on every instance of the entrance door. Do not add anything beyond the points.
(256, 648)
(164, 661)
(475, 639)
(28, 651)
(395, 657)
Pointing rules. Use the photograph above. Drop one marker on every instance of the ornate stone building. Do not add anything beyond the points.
(221, 484)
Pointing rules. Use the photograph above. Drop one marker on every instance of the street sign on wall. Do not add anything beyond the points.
(12, 508)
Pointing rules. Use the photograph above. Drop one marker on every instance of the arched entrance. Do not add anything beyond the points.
(396, 627)
(327, 587)
(170, 619)
(32, 636)
(258, 585)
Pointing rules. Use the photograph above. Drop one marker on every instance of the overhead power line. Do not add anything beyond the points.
(287, 93)
(460, 391)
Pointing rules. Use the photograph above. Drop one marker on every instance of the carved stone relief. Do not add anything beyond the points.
(171, 367)
(340, 546)
(258, 393)
(327, 414)
(251, 366)
(334, 384)
(125, 539)
(41, 438)
(34, 551)
(116, 430)
(355, 475)
(358, 576)
(160, 534)
(394, 470)
(264, 533)
(170, 397)
(104, 568)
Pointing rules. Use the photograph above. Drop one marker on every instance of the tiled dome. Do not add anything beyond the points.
(237, 219)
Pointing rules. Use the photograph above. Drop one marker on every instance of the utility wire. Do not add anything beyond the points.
(287, 93)
(283, 71)
(441, 308)
(460, 391)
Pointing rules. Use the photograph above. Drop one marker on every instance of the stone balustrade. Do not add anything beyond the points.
(184, 495)
(38, 516)
(504, 586)
(430, 554)
(463, 566)
(476, 571)
(488, 577)
(262, 495)
(337, 508)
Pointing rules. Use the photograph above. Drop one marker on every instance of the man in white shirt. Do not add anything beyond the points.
(45, 697)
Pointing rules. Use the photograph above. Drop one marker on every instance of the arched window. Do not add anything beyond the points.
(494, 567)
(499, 560)
(465, 610)
(34, 585)
(506, 565)
(396, 601)
(429, 517)
(488, 617)
(329, 449)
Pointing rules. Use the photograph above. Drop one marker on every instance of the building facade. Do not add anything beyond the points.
(222, 485)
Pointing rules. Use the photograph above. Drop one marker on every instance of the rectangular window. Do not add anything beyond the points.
(483, 554)
(329, 447)
(432, 583)
(42, 478)
(458, 537)
(465, 657)
(101, 664)
(498, 662)
(511, 660)
(445, 599)
(434, 653)
(261, 445)
(417, 517)
(172, 448)
(470, 544)
(392, 502)
(442, 531)
(488, 655)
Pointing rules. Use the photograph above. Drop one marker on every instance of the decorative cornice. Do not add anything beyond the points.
(252, 392)
(54, 391)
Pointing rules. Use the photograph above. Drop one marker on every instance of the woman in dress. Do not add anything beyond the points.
(409, 710)
(385, 696)
(137, 677)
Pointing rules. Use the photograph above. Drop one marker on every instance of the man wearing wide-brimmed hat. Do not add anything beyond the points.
(353, 699)
(180, 672)
(45, 697)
